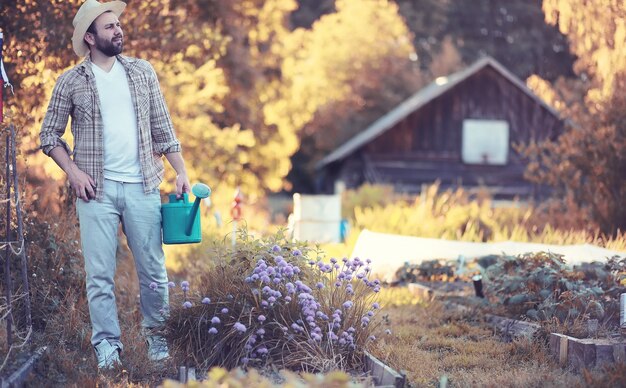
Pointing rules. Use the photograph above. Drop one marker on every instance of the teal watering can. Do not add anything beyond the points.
(180, 218)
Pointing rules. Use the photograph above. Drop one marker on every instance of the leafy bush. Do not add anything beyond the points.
(438, 270)
(541, 287)
(272, 301)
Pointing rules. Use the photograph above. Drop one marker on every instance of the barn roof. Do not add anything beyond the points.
(421, 98)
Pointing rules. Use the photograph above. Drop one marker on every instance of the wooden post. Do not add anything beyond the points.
(563, 351)
(182, 374)
(7, 250)
(20, 229)
(478, 285)
(619, 353)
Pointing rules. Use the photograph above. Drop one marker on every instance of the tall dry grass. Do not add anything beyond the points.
(460, 215)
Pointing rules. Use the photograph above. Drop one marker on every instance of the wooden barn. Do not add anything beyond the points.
(459, 130)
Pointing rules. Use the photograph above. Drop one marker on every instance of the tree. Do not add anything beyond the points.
(588, 162)
(217, 62)
(349, 68)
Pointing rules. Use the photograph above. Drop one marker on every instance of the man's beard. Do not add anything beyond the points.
(109, 48)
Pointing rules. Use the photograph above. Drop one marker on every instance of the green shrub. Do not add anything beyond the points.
(543, 288)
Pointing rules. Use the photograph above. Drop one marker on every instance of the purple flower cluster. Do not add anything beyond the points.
(346, 338)
(261, 350)
(270, 278)
(276, 282)
(240, 327)
(214, 321)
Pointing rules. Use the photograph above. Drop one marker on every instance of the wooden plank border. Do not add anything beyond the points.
(586, 353)
(383, 375)
(512, 328)
(567, 351)
(17, 378)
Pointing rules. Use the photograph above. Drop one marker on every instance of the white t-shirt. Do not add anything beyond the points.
(121, 146)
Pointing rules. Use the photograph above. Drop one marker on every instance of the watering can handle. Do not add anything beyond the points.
(192, 216)
(183, 198)
(201, 191)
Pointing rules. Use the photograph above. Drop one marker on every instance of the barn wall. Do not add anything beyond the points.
(435, 129)
(426, 145)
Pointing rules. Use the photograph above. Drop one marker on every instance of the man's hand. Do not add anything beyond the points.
(182, 180)
(82, 184)
(182, 185)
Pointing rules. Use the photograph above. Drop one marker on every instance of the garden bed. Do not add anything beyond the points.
(375, 372)
(588, 352)
(383, 375)
(568, 351)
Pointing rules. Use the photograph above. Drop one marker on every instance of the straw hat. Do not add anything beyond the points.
(87, 13)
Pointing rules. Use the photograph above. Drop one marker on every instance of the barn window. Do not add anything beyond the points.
(485, 142)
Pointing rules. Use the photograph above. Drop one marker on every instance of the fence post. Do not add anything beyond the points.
(7, 248)
(20, 228)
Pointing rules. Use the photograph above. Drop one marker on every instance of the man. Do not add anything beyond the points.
(121, 128)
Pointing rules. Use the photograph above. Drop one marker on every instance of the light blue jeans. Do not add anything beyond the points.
(140, 216)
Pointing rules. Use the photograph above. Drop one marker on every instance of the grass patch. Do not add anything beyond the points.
(429, 343)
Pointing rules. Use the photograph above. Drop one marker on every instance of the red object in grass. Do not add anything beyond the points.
(235, 210)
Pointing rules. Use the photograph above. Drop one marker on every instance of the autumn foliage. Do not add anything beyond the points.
(251, 93)
(588, 163)
(240, 81)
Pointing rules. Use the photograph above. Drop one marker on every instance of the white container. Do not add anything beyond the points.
(317, 218)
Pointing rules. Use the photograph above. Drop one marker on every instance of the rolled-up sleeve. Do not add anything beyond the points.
(56, 118)
(161, 126)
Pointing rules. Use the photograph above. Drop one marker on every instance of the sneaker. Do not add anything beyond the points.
(157, 348)
(108, 355)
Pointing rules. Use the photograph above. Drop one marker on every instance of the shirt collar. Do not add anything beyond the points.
(128, 63)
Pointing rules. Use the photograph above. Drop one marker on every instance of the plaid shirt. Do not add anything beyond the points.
(75, 94)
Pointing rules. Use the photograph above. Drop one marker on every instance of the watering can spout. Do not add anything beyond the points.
(201, 191)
